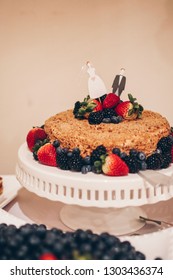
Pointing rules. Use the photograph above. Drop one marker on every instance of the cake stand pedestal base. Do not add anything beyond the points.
(117, 221)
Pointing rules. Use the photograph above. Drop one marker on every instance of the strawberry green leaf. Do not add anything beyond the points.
(130, 112)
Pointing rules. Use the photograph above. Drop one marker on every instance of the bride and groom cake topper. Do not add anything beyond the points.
(96, 86)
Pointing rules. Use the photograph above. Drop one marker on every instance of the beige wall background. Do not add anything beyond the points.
(44, 43)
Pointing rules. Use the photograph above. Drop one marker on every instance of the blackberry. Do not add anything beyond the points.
(171, 138)
(95, 117)
(132, 164)
(108, 113)
(158, 151)
(62, 159)
(95, 155)
(75, 162)
(154, 161)
(77, 106)
(166, 160)
(165, 144)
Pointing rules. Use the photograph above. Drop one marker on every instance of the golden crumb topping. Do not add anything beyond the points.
(141, 134)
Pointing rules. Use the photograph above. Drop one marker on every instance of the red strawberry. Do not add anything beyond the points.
(36, 133)
(47, 155)
(111, 100)
(124, 110)
(114, 166)
(47, 256)
(129, 110)
(98, 105)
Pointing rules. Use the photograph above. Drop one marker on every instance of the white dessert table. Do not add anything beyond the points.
(19, 206)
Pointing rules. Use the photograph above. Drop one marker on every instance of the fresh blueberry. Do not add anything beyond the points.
(22, 252)
(123, 155)
(65, 150)
(34, 240)
(59, 150)
(76, 151)
(96, 170)
(140, 256)
(141, 156)
(120, 119)
(116, 151)
(41, 230)
(106, 120)
(114, 119)
(143, 165)
(56, 143)
(89, 167)
(84, 169)
(87, 160)
(133, 152)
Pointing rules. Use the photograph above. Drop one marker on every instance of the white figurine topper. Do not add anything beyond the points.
(96, 86)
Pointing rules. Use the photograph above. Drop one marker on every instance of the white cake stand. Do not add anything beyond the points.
(97, 202)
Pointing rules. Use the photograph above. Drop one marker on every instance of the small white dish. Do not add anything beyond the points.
(10, 189)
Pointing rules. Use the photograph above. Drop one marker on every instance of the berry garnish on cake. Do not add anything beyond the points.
(95, 117)
(47, 154)
(108, 110)
(83, 109)
(113, 165)
(104, 135)
(100, 161)
(104, 142)
(35, 134)
(111, 101)
(129, 110)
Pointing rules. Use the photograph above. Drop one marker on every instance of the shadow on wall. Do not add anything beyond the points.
(165, 33)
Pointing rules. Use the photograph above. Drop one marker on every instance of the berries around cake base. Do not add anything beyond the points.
(34, 242)
(117, 163)
(35, 134)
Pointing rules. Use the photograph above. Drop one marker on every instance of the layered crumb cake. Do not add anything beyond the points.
(104, 135)
(142, 134)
